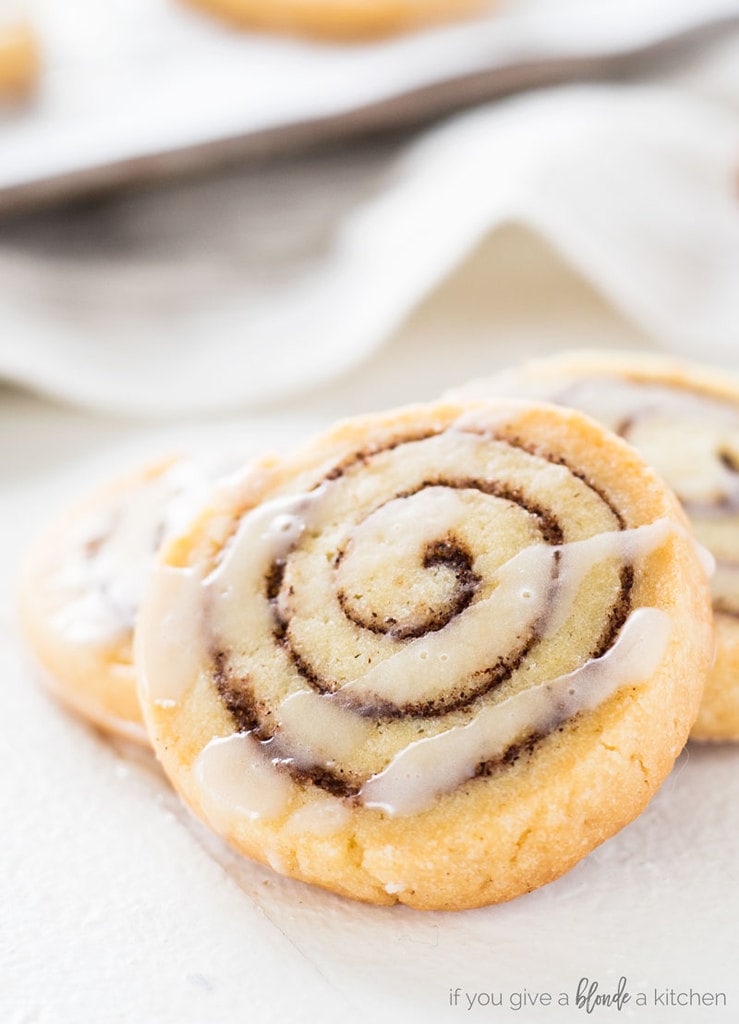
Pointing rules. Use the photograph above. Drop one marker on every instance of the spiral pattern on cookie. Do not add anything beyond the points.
(434, 657)
(401, 590)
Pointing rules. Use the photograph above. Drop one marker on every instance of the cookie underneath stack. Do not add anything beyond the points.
(684, 420)
(83, 581)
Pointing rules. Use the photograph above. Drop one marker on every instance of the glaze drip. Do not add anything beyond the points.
(95, 591)
(440, 764)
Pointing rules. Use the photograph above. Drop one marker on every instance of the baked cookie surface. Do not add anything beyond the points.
(82, 582)
(434, 658)
(338, 19)
(684, 420)
(19, 59)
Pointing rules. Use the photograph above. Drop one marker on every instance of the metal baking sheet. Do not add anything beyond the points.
(137, 89)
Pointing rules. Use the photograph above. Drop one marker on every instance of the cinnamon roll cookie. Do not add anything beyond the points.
(82, 582)
(434, 658)
(338, 19)
(684, 420)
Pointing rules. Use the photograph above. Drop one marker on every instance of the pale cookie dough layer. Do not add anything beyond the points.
(338, 19)
(684, 419)
(435, 657)
(82, 583)
(19, 60)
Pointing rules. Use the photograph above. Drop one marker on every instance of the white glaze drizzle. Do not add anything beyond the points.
(482, 633)
(170, 647)
(238, 771)
(578, 557)
(97, 588)
(233, 773)
(317, 730)
(266, 534)
(169, 638)
(439, 764)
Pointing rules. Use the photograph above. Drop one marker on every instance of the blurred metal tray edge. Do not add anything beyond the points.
(408, 110)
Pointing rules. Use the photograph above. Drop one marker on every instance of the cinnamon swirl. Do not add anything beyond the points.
(435, 657)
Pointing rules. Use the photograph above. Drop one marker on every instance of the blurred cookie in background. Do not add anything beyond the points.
(19, 57)
(82, 582)
(683, 418)
(339, 19)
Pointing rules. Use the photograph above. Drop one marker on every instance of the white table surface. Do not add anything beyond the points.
(117, 907)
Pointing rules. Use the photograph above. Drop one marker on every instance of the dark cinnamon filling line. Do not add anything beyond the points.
(618, 615)
(547, 522)
(237, 695)
(237, 698)
(559, 460)
(480, 684)
(323, 778)
(523, 748)
(444, 551)
(448, 553)
(722, 607)
(363, 456)
(274, 578)
(729, 460)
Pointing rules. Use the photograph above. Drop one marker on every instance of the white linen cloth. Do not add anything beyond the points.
(254, 285)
